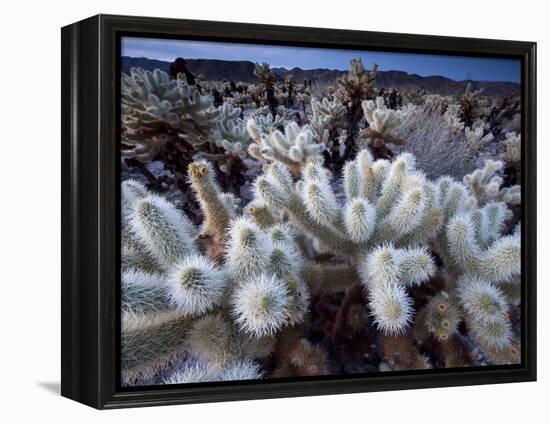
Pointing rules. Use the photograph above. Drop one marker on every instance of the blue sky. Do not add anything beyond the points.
(454, 67)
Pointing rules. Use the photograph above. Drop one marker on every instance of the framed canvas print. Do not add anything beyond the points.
(256, 211)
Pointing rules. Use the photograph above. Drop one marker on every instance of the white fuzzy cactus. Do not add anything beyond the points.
(498, 262)
(385, 274)
(151, 100)
(294, 148)
(476, 138)
(143, 292)
(167, 233)
(190, 373)
(359, 219)
(381, 224)
(186, 298)
(486, 309)
(327, 115)
(493, 334)
(452, 119)
(512, 148)
(486, 184)
(382, 122)
(482, 300)
(380, 118)
(384, 203)
(130, 192)
(230, 131)
(216, 206)
(247, 249)
(200, 372)
(260, 305)
(150, 342)
(195, 285)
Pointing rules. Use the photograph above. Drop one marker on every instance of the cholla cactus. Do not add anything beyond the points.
(452, 118)
(479, 257)
(385, 203)
(150, 342)
(382, 121)
(217, 207)
(266, 123)
(267, 78)
(230, 131)
(227, 307)
(327, 118)
(200, 372)
(486, 185)
(357, 83)
(295, 148)
(354, 87)
(436, 102)
(385, 273)
(195, 285)
(477, 247)
(512, 149)
(476, 138)
(168, 117)
(307, 359)
(261, 305)
(345, 256)
(157, 110)
(188, 298)
(469, 106)
(487, 312)
(158, 225)
(440, 317)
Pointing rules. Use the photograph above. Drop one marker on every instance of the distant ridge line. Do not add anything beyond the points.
(214, 69)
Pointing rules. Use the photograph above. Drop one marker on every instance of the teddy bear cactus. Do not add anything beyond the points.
(303, 229)
(230, 293)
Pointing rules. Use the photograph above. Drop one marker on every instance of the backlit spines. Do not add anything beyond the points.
(247, 249)
(260, 305)
(217, 213)
(164, 230)
(143, 292)
(391, 308)
(195, 285)
(385, 274)
(486, 309)
(359, 220)
(498, 261)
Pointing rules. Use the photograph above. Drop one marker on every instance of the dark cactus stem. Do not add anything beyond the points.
(290, 92)
(267, 78)
(466, 114)
(354, 116)
(271, 100)
(333, 160)
(289, 101)
(178, 66)
(218, 98)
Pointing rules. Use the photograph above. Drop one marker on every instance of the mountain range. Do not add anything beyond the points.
(213, 69)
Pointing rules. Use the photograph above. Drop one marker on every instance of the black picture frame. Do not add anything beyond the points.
(90, 210)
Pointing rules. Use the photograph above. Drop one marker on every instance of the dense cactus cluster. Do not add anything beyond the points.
(269, 232)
